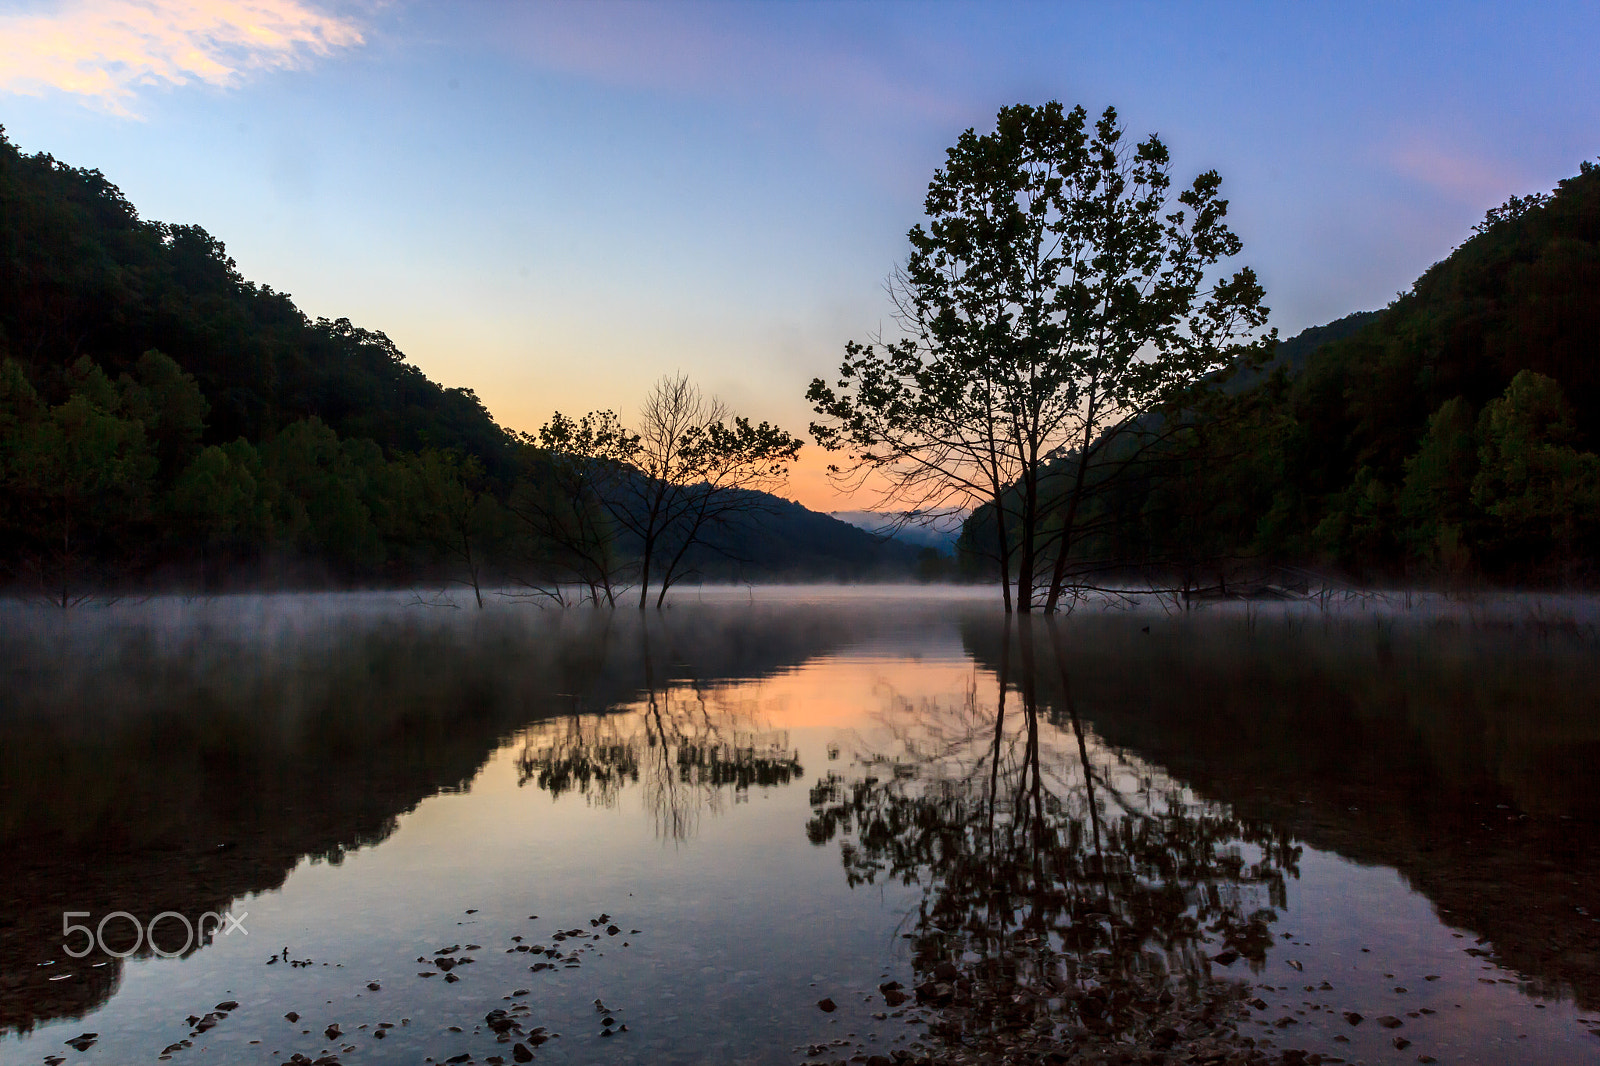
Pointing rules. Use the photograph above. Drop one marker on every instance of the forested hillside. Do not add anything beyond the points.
(164, 421)
(84, 275)
(1450, 436)
(1455, 430)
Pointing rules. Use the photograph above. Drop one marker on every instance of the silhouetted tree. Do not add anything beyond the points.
(690, 468)
(1060, 293)
(560, 503)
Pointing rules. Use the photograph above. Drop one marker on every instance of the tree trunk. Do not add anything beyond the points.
(1058, 576)
(1004, 551)
(644, 573)
(1030, 515)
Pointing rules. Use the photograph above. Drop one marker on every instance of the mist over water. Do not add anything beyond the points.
(794, 794)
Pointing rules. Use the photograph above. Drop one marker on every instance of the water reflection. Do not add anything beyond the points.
(1090, 820)
(1066, 885)
(152, 763)
(683, 746)
(1461, 756)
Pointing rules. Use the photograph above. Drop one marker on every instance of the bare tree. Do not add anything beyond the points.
(692, 467)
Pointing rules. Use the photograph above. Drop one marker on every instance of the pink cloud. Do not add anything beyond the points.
(105, 51)
(1461, 176)
(722, 49)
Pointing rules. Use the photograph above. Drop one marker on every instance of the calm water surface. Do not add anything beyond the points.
(775, 798)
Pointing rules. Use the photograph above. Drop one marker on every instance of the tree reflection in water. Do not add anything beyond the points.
(688, 745)
(1068, 888)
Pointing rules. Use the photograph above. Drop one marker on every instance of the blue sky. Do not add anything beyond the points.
(555, 203)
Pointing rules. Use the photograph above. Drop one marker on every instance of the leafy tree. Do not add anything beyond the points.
(220, 500)
(78, 476)
(87, 275)
(1517, 295)
(1059, 295)
(454, 512)
(168, 402)
(1436, 498)
(1544, 493)
(317, 489)
(1360, 523)
(560, 506)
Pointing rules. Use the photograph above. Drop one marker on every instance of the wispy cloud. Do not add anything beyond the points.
(106, 51)
(1461, 176)
(827, 54)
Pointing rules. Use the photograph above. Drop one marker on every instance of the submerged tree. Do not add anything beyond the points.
(693, 466)
(1059, 296)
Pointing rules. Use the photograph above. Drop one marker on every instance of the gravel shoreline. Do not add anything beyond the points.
(1139, 1022)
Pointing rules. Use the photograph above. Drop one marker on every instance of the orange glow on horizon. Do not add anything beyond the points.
(844, 692)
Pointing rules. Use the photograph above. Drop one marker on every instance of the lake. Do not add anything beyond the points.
(375, 828)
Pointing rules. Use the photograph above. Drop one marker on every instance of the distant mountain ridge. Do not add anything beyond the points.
(779, 539)
(939, 533)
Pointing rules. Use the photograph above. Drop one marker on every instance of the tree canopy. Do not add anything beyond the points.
(1061, 293)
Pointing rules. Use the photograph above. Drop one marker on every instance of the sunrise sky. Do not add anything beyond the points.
(555, 203)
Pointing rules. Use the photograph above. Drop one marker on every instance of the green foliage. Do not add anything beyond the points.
(319, 493)
(169, 404)
(158, 410)
(452, 511)
(1360, 521)
(162, 415)
(1363, 451)
(1543, 493)
(1518, 295)
(222, 499)
(85, 274)
(1436, 499)
(77, 478)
